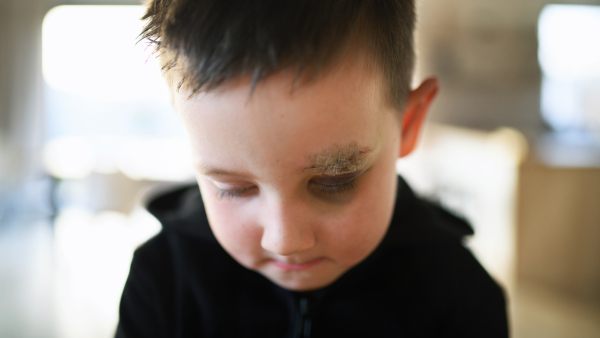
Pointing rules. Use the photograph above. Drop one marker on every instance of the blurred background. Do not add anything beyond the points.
(87, 133)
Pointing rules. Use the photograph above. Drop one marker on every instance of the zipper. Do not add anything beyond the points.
(303, 319)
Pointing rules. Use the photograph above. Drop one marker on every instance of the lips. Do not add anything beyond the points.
(303, 266)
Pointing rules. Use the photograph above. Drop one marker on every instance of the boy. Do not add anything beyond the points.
(296, 112)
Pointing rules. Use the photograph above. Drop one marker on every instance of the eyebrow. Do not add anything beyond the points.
(338, 160)
(331, 161)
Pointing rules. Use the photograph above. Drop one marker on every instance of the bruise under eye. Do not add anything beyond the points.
(330, 186)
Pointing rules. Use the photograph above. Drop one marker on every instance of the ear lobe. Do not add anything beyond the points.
(419, 101)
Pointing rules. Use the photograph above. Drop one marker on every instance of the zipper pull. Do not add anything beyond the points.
(303, 320)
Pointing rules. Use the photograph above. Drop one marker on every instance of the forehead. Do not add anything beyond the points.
(278, 122)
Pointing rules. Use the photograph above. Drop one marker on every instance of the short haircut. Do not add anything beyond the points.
(210, 42)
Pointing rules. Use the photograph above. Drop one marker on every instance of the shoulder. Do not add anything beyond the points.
(446, 265)
(426, 243)
(165, 274)
(443, 281)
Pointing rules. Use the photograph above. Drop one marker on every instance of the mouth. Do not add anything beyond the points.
(303, 266)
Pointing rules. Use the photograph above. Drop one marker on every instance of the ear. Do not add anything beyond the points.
(413, 119)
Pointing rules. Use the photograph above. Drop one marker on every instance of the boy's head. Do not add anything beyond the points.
(208, 42)
(296, 113)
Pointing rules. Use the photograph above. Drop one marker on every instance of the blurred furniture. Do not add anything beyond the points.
(559, 228)
(558, 249)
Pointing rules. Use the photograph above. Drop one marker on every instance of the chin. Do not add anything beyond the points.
(300, 286)
(302, 283)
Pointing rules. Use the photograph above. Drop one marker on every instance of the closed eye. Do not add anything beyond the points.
(334, 189)
(234, 193)
(335, 185)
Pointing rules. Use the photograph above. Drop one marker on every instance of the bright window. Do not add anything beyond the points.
(107, 108)
(569, 54)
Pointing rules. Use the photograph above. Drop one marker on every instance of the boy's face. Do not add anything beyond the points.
(298, 185)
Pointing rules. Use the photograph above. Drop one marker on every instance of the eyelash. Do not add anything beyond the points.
(231, 194)
(334, 189)
(324, 189)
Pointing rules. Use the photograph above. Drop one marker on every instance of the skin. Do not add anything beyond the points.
(299, 185)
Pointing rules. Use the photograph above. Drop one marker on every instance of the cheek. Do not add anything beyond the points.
(233, 225)
(359, 229)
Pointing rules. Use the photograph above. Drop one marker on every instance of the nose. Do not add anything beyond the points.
(287, 228)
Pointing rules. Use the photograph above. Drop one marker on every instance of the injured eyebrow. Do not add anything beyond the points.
(338, 160)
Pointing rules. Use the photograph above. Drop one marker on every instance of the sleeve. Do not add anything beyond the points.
(143, 311)
(481, 305)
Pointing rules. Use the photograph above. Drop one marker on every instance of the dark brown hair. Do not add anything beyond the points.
(212, 41)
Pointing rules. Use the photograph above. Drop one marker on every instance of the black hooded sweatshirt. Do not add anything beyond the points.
(419, 282)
